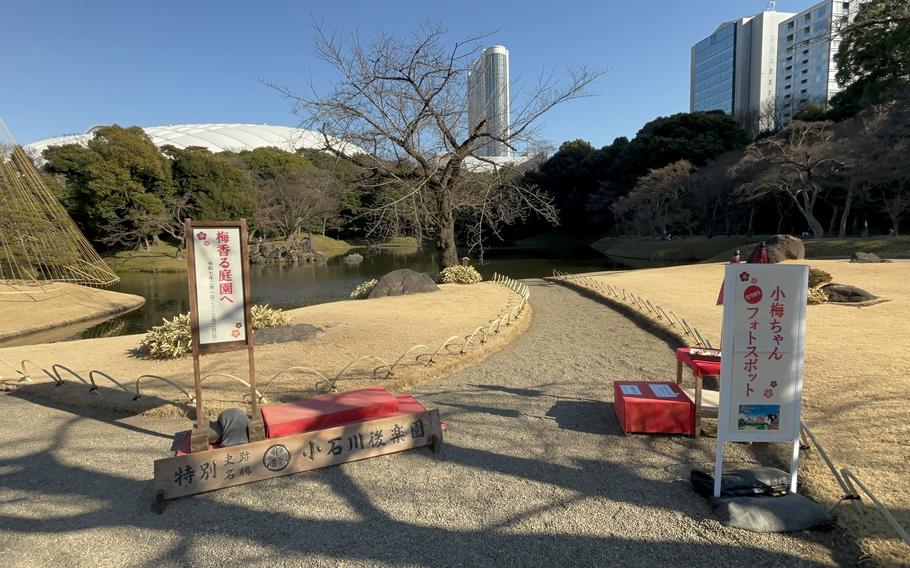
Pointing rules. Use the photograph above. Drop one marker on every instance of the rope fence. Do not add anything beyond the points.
(645, 306)
(482, 334)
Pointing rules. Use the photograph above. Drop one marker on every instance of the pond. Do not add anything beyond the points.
(306, 284)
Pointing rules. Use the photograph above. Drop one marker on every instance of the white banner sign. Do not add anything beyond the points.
(762, 352)
(219, 284)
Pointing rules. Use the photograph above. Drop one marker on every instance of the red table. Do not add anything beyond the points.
(653, 407)
(700, 367)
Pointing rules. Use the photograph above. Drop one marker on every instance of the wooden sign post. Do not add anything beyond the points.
(235, 465)
(761, 369)
(218, 273)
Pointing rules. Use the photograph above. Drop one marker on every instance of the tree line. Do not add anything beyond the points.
(834, 170)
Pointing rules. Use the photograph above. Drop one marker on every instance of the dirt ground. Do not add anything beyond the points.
(348, 340)
(856, 384)
(30, 308)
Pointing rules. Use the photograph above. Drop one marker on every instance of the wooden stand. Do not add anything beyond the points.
(200, 435)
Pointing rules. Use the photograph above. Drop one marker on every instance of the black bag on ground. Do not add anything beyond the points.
(742, 482)
(791, 512)
(232, 427)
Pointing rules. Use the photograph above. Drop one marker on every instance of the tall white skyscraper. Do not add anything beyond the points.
(488, 98)
(807, 44)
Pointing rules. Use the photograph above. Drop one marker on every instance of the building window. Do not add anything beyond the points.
(790, 37)
(788, 68)
(788, 77)
(790, 24)
(846, 6)
(806, 30)
(808, 16)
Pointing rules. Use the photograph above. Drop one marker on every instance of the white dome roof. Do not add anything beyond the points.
(215, 137)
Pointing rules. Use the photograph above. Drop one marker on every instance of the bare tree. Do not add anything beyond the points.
(654, 202)
(290, 200)
(144, 227)
(796, 162)
(404, 102)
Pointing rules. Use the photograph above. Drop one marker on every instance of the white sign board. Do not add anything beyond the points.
(219, 281)
(761, 372)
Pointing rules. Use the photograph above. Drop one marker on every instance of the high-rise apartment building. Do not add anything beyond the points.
(770, 65)
(807, 43)
(488, 99)
(734, 69)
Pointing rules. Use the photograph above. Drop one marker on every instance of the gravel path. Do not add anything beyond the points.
(535, 472)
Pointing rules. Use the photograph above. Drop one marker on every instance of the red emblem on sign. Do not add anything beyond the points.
(752, 294)
(201, 235)
(743, 276)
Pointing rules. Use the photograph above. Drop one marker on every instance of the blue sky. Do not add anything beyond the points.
(70, 65)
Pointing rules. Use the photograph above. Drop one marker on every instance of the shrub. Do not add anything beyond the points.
(818, 278)
(264, 316)
(173, 338)
(459, 275)
(817, 296)
(362, 292)
(170, 340)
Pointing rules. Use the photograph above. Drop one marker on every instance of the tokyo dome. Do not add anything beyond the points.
(215, 137)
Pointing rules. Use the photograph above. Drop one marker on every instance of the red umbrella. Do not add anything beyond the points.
(758, 256)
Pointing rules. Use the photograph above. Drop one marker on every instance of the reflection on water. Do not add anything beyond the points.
(305, 285)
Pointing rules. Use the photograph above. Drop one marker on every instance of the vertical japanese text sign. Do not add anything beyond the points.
(761, 374)
(218, 285)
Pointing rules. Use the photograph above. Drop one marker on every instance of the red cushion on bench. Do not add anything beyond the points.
(407, 404)
(327, 411)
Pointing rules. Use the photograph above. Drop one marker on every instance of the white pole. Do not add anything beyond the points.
(794, 465)
(718, 465)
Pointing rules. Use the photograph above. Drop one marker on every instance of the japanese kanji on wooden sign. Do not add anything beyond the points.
(274, 457)
(219, 285)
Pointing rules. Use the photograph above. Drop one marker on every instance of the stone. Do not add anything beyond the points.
(845, 294)
(404, 281)
(354, 258)
(866, 257)
(784, 247)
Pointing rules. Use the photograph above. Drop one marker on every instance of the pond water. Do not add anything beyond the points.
(289, 287)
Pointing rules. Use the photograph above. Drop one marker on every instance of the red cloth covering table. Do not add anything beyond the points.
(700, 367)
(327, 411)
(646, 412)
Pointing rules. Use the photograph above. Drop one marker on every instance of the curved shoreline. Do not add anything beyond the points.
(74, 304)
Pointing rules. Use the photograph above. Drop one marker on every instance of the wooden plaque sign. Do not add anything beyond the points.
(218, 273)
(219, 285)
(225, 467)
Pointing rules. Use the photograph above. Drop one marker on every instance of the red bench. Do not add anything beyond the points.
(328, 411)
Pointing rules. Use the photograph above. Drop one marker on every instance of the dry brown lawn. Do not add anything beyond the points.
(28, 308)
(367, 333)
(856, 385)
